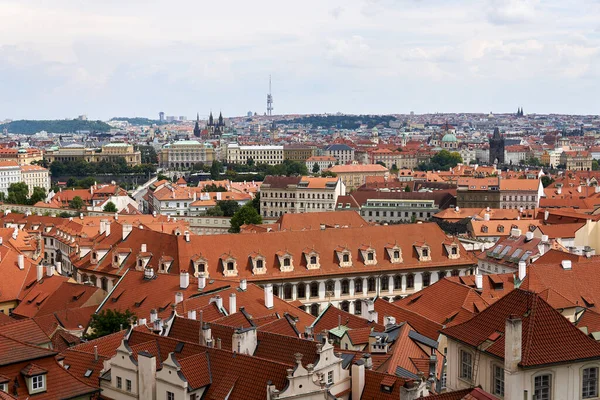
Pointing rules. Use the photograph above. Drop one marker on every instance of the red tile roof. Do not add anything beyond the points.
(548, 337)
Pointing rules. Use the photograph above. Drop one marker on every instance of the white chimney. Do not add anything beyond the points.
(269, 295)
(529, 235)
(559, 190)
(513, 333)
(201, 281)
(21, 261)
(178, 297)
(515, 232)
(243, 285)
(102, 226)
(217, 300)
(143, 248)
(127, 228)
(192, 314)
(141, 321)
(186, 235)
(579, 189)
(457, 209)
(154, 214)
(184, 280)
(40, 272)
(544, 238)
(153, 315)
(487, 209)
(49, 270)
(116, 216)
(566, 264)
(107, 229)
(596, 189)
(232, 304)
(479, 281)
(486, 217)
(546, 215)
(522, 270)
(358, 379)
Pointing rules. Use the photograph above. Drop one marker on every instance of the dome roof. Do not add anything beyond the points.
(449, 137)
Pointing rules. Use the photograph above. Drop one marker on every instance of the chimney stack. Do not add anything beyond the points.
(512, 343)
(127, 228)
(479, 281)
(95, 353)
(178, 297)
(486, 217)
(217, 300)
(184, 280)
(546, 215)
(153, 315)
(269, 295)
(143, 248)
(107, 229)
(243, 285)
(40, 272)
(566, 264)
(528, 236)
(186, 235)
(192, 314)
(49, 270)
(522, 270)
(232, 304)
(201, 281)
(358, 379)
(21, 261)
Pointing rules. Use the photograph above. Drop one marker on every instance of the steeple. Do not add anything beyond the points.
(197, 131)
(221, 119)
(496, 133)
(211, 121)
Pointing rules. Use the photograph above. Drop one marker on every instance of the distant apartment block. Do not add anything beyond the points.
(241, 154)
(108, 152)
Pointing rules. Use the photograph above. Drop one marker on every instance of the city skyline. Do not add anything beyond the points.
(357, 57)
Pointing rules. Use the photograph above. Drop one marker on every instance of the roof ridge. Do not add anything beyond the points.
(532, 297)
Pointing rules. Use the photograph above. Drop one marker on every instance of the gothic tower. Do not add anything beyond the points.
(497, 148)
(197, 131)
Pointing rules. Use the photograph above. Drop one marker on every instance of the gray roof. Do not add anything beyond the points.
(339, 147)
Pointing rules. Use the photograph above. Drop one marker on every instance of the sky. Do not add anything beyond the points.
(107, 58)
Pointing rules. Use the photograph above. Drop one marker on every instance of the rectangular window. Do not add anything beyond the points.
(589, 387)
(330, 377)
(37, 382)
(542, 389)
(170, 396)
(128, 385)
(119, 382)
(466, 365)
(498, 386)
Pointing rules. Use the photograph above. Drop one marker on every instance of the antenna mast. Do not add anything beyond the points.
(269, 100)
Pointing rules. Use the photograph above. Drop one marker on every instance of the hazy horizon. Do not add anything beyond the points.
(135, 58)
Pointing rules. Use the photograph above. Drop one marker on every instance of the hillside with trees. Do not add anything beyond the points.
(29, 127)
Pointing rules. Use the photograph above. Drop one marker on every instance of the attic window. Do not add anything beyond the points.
(345, 258)
(396, 254)
(259, 264)
(313, 259)
(231, 265)
(286, 262)
(88, 373)
(425, 252)
(500, 228)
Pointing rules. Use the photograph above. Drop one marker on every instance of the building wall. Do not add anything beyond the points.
(272, 155)
(396, 211)
(185, 154)
(353, 180)
(477, 199)
(8, 176)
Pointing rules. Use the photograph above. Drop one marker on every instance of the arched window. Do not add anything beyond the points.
(442, 274)
(358, 285)
(455, 272)
(426, 279)
(276, 290)
(371, 284)
(357, 307)
(329, 288)
(385, 283)
(397, 282)
(301, 290)
(287, 291)
(314, 289)
(410, 281)
(345, 286)
(345, 306)
(314, 309)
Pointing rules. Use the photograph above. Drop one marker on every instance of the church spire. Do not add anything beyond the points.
(197, 131)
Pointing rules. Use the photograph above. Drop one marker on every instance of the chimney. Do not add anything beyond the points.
(102, 226)
(141, 322)
(486, 217)
(49, 270)
(116, 216)
(157, 326)
(522, 270)
(191, 314)
(479, 281)
(186, 235)
(232, 304)
(559, 190)
(487, 209)
(153, 315)
(178, 297)
(566, 264)
(40, 272)
(367, 360)
(512, 343)
(146, 375)
(154, 214)
(528, 236)
(184, 280)
(21, 261)
(546, 215)
(268, 295)
(201, 281)
(544, 238)
(218, 343)
(358, 379)
(127, 228)
(457, 209)
(515, 232)
(217, 300)
(95, 353)
(579, 189)
(206, 335)
(143, 248)
(597, 189)
(390, 321)
(107, 229)
(243, 285)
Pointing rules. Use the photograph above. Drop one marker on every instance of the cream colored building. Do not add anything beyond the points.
(355, 175)
(108, 152)
(240, 154)
(185, 154)
(35, 176)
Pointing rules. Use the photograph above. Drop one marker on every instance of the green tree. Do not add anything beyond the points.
(245, 215)
(39, 194)
(215, 211)
(547, 181)
(76, 203)
(443, 161)
(316, 168)
(256, 203)
(328, 174)
(109, 321)
(229, 207)
(110, 207)
(215, 170)
(595, 166)
(250, 162)
(211, 187)
(17, 193)
(407, 188)
(381, 163)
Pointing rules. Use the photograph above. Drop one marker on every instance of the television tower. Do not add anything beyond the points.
(269, 100)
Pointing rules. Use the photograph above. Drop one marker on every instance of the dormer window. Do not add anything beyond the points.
(312, 258)
(500, 228)
(344, 256)
(229, 265)
(164, 264)
(200, 265)
(286, 261)
(368, 255)
(38, 383)
(423, 251)
(35, 378)
(394, 253)
(258, 264)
